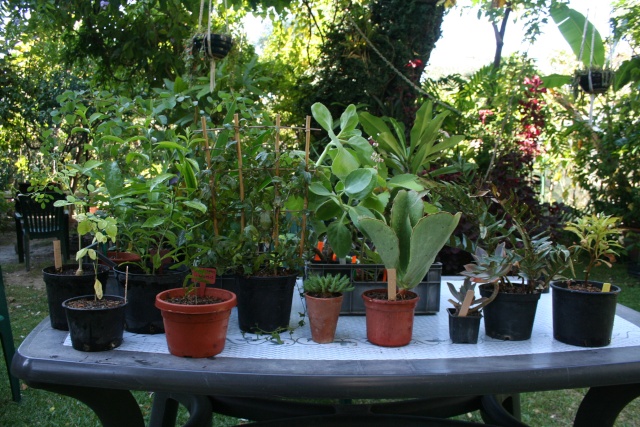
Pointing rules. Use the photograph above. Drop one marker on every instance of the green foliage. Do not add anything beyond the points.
(427, 144)
(599, 238)
(409, 241)
(325, 286)
(571, 24)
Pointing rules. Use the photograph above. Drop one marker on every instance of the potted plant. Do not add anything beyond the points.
(195, 318)
(158, 212)
(71, 280)
(465, 316)
(594, 80)
(351, 181)
(323, 296)
(407, 244)
(96, 322)
(584, 310)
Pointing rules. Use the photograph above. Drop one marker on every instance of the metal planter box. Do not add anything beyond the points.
(371, 276)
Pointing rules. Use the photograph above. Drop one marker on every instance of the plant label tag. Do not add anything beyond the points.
(606, 287)
(391, 284)
(57, 255)
(468, 299)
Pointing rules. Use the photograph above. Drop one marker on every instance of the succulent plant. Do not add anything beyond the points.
(490, 268)
(476, 304)
(325, 286)
(410, 241)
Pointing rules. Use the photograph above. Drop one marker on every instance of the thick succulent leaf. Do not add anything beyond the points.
(384, 239)
(430, 234)
(344, 163)
(360, 183)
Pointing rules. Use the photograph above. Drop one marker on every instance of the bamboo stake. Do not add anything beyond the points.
(307, 143)
(57, 255)
(212, 178)
(276, 188)
(236, 122)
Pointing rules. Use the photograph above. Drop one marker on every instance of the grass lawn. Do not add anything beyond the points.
(39, 408)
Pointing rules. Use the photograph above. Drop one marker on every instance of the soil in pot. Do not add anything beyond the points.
(323, 315)
(95, 325)
(389, 323)
(264, 302)
(510, 316)
(141, 314)
(196, 325)
(64, 285)
(583, 316)
(463, 330)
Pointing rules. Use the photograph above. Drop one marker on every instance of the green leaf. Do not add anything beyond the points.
(328, 210)
(343, 163)
(196, 204)
(171, 145)
(319, 189)
(153, 222)
(113, 178)
(571, 24)
(406, 180)
(323, 117)
(348, 120)
(556, 80)
(384, 239)
(339, 238)
(360, 183)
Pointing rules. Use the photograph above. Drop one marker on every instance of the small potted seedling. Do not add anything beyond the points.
(465, 316)
(324, 295)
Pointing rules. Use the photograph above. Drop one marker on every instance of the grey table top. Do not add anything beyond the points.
(349, 368)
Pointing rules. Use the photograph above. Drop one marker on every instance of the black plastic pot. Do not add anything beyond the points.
(264, 303)
(463, 330)
(581, 318)
(228, 282)
(509, 317)
(141, 314)
(61, 287)
(98, 329)
(215, 46)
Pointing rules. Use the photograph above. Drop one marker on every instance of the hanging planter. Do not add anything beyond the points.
(213, 46)
(594, 81)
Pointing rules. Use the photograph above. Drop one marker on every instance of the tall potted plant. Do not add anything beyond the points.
(158, 213)
(407, 244)
(351, 181)
(584, 310)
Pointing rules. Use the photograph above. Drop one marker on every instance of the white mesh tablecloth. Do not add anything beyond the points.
(430, 339)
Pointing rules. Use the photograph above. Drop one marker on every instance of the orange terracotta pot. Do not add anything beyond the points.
(323, 317)
(196, 330)
(389, 323)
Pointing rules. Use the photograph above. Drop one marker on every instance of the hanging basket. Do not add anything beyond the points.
(594, 81)
(216, 46)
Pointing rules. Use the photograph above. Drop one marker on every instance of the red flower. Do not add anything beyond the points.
(414, 63)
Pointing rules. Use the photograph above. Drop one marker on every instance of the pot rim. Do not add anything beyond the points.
(228, 304)
(112, 297)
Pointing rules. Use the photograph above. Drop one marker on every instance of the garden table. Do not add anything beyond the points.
(448, 379)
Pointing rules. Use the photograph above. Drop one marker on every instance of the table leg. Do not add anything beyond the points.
(114, 408)
(602, 405)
